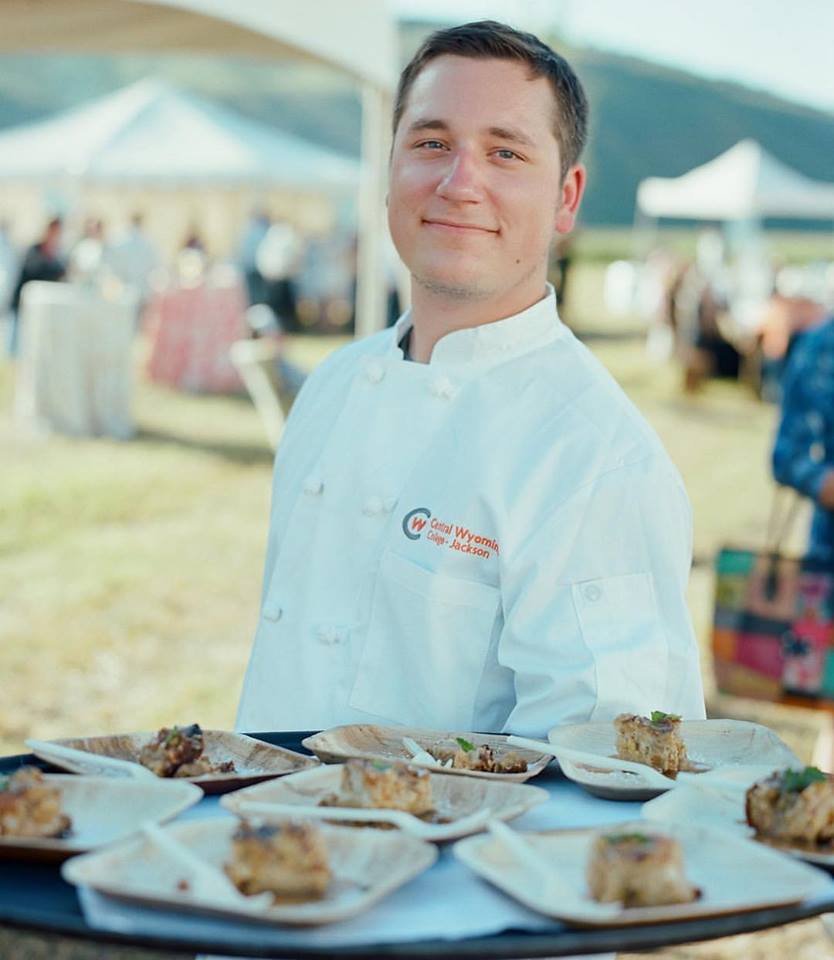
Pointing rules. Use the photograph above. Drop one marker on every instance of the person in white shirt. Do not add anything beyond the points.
(133, 257)
(472, 527)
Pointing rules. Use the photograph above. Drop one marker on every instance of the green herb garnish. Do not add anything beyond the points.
(4, 783)
(627, 838)
(465, 744)
(658, 716)
(380, 765)
(795, 781)
(172, 734)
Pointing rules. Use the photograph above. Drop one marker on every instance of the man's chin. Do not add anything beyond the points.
(454, 288)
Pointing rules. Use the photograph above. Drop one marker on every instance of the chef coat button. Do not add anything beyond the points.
(442, 387)
(592, 592)
(373, 506)
(389, 503)
(375, 371)
(272, 611)
(313, 485)
(328, 635)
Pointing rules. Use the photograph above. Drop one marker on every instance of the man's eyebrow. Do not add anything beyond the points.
(512, 134)
(429, 123)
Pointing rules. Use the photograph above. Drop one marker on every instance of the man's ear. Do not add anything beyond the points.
(573, 186)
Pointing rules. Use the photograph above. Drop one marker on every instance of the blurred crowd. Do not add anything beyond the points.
(308, 281)
(726, 317)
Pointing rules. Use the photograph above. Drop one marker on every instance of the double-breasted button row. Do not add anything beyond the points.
(313, 486)
(442, 388)
(375, 505)
(375, 371)
(329, 634)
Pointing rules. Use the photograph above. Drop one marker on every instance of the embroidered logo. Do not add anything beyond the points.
(414, 521)
(452, 536)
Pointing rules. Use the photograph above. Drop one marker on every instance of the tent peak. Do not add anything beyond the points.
(744, 182)
(150, 131)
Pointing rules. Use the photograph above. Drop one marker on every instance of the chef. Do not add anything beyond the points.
(472, 527)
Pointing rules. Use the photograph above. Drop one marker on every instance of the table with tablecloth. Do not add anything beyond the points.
(191, 328)
(74, 372)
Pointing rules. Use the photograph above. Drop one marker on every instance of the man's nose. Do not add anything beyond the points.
(461, 181)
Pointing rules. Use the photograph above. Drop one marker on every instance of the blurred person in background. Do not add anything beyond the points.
(254, 232)
(803, 454)
(278, 260)
(193, 240)
(563, 261)
(191, 262)
(9, 268)
(42, 261)
(472, 527)
(88, 261)
(133, 258)
(702, 312)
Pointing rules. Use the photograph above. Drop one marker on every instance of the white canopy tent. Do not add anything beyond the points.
(357, 37)
(152, 134)
(744, 183)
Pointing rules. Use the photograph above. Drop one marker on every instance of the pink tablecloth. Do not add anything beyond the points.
(191, 331)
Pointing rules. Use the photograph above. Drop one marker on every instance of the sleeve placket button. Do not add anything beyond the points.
(272, 611)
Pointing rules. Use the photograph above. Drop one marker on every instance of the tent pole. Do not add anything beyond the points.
(643, 234)
(373, 187)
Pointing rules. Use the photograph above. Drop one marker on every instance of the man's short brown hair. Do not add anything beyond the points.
(487, 39)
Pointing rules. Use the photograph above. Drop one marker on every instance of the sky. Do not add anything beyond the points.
(781, 46)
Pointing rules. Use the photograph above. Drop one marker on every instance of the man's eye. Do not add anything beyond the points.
(431, 144)
(504, 154)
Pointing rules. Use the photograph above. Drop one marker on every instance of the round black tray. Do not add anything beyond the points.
(34, 897)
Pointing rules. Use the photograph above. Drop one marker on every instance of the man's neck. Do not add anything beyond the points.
(433, 315)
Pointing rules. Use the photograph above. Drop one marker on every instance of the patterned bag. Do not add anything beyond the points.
(773, 630)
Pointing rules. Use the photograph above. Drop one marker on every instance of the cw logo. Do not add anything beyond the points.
(414, 521)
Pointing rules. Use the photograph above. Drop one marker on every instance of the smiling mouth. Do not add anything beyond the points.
(462, 227)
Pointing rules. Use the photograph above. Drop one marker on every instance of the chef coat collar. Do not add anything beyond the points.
(493, 342)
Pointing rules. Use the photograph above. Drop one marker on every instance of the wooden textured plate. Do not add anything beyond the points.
(254, 760)
(733, 874)
(367, 741)
(709, 744)
(367, 865)
(456, 799)
(722, 808)
(103, 810)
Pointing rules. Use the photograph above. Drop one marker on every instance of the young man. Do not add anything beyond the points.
(472, 528)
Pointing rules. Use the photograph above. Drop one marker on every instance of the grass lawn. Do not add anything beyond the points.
(130, 572)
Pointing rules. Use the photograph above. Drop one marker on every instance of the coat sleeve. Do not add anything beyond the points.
(595, 614)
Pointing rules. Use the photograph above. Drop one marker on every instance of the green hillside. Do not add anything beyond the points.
(651, 121)
(646, 119)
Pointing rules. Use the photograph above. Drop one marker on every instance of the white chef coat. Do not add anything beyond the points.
(495, 540)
